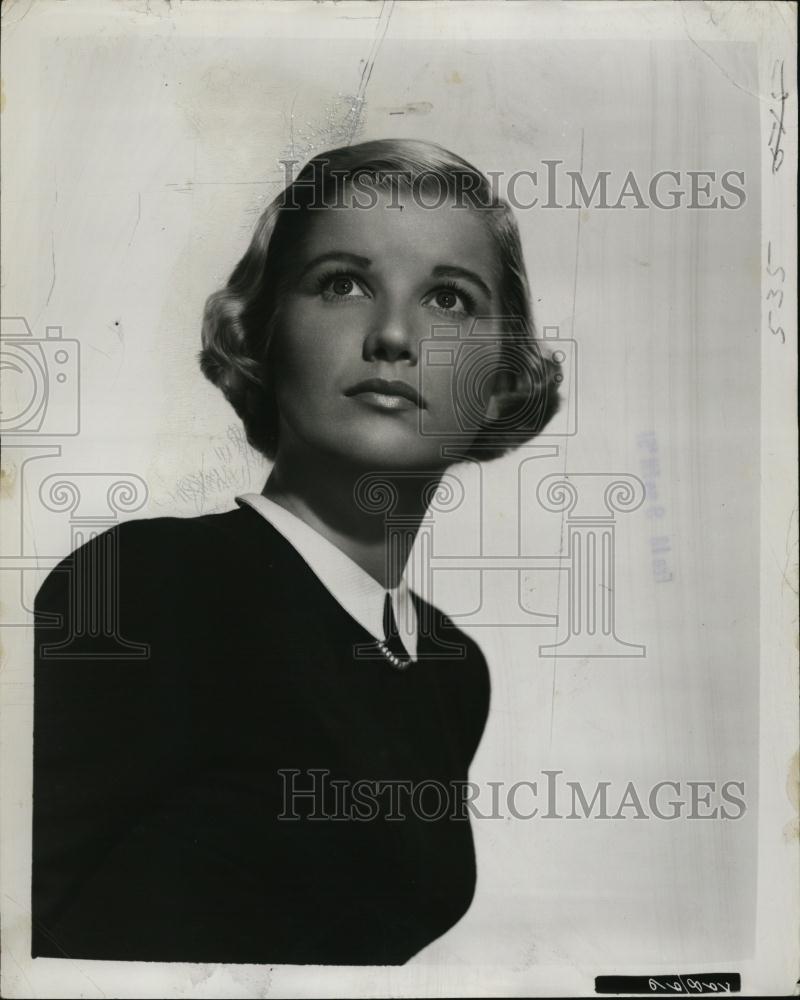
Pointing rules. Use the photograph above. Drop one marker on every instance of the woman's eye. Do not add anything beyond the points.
(342, 286)
(450, 300)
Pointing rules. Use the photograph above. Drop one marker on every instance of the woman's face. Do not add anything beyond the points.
(366, 288)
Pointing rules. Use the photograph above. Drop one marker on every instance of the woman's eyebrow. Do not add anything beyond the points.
(454, 271)
(341, 255)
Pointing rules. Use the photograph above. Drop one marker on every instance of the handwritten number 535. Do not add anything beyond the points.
(778, 276)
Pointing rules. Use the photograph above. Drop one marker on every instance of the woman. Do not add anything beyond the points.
(266, 785)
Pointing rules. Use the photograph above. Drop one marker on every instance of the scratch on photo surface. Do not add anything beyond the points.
(793, 780)
(566, 440)
(413, 108)
(291, 126)
(53, 259)
(791, 830)
(382, 27)
(786, 581)
(11, 6)
(20, 968)
(138, 217)
(708, 55)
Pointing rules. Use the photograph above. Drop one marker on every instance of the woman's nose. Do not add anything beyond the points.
(391, 337)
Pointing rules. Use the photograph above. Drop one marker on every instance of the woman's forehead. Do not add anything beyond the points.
(401, 229)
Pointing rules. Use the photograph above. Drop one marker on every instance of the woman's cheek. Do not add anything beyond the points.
(302, 341)
(438, 387)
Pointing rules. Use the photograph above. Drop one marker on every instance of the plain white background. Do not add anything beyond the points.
(146, 141)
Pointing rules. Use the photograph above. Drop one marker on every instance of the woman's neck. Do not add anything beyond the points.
(346, 509)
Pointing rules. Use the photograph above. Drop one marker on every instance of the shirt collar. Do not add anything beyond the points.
(361, 596)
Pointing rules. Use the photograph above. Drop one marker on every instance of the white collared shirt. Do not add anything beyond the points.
(361, 596)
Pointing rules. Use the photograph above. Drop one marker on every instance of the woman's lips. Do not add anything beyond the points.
(384, 401)
(386, 394)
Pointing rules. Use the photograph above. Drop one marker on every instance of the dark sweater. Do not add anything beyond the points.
(160, 827)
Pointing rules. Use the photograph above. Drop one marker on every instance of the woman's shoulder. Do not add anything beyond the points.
(156, 551)
(158, 534)
(154, 581)
(164, 535)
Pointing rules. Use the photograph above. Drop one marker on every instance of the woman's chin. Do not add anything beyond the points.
(388, 450)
